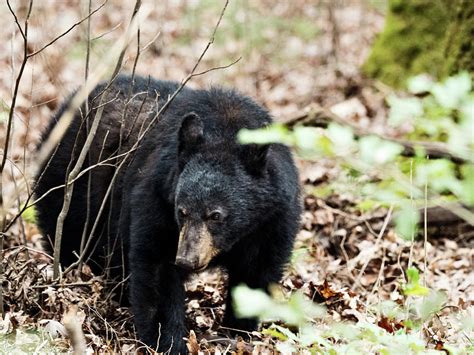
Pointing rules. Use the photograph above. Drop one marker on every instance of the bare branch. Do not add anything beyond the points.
(89, 176)
(211, 41)
(143, 134)
(23, 34)
(107, 32)
(3, 216)
(85, 149)
(17, 85)
(145, 47)
(377, 242)
(190, 75)
(217, 68)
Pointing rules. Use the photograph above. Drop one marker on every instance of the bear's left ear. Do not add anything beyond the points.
(191, 132)
(254, 157)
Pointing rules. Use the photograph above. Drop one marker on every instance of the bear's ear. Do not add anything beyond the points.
(191, 132)
(255, 157)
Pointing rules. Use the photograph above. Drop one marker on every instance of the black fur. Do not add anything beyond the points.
(189, 160)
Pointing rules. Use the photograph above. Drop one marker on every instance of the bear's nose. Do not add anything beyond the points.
(184, 263)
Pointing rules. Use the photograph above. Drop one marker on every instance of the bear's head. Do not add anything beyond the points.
(219, 192)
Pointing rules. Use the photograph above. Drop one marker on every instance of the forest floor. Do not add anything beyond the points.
(293, 54)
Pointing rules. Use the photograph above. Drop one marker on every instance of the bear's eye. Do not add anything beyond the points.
(215, 216)
(182, 213)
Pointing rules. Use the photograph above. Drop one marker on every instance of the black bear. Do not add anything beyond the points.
(168, 195)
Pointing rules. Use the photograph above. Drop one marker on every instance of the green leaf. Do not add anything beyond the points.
(440, 175)
(274, 333)
(404, 109)
(467, 112)
(310, 335)
(342, 138)
(306, 137)
(286, 348)
(304, 308)
(409, 324)
(285, 331)
(374, 150)
(29, 215)
(453, 91)
(389, 309)
(467, 322)
(406, 221)
(413, 287)
(467, 172)
(432, 304)
(420, 84)
(385, 193)
(275, 133)
(416, 290)
(256, 303)
(250, 303)
(413, 275)
(367, 205)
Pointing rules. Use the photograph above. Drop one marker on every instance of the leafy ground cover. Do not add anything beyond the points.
(348, 257)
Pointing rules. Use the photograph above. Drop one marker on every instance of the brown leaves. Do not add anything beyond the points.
(193, 346)
(286, 71)
(326, 291)
(390, 325)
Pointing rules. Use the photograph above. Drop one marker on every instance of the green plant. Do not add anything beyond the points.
(399, 329)
(441, 112)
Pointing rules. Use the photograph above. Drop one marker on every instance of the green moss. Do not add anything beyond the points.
(412, 41)
(460, 44)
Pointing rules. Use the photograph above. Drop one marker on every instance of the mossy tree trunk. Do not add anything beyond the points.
(423, 36)
(460, 38)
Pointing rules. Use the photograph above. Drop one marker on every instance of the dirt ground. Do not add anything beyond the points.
(292, 54)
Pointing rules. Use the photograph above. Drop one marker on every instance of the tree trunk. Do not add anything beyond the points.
(423, 36)
(460, 39)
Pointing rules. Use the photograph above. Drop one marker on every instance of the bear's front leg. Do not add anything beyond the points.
(256, 275)
(257, 263)
(157, 298)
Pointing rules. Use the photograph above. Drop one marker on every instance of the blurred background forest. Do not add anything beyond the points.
(375, 97)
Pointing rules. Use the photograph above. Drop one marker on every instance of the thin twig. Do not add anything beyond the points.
(142, 136)
(3, 215)
(16, 87)
(85, 149)
(379, 238)
(219, 67)
(146, 46)
(412, 245)
(191, 75)
(86, 104)
(27, 205)
(67, 31)
(425, 233)
(106, 33)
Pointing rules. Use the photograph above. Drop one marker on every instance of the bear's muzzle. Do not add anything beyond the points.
(195, 247)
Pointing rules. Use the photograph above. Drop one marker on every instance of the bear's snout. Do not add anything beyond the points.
(195, 247)
(185, 263)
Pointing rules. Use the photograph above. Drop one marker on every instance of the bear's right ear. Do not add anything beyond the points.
(191, 133)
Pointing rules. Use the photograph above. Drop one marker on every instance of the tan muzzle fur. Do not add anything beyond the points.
(195, 247)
